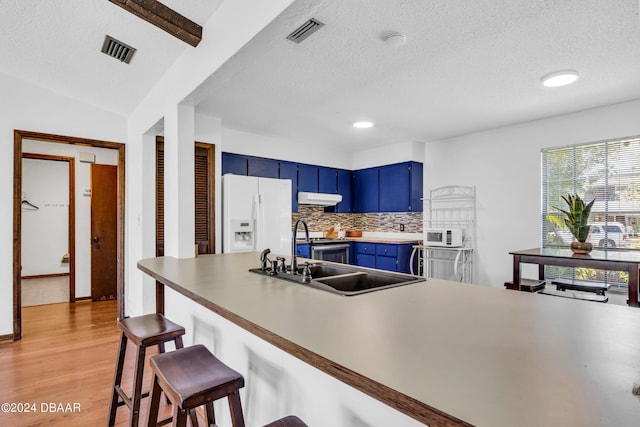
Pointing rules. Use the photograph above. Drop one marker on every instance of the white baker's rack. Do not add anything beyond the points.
(450, 207)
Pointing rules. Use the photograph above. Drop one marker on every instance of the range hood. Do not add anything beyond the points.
(318, 199)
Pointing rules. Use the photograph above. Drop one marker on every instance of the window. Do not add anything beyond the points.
(607, 171)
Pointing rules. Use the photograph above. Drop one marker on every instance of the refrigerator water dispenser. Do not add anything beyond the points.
(243, 235)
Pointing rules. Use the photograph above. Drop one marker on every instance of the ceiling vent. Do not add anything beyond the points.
(305, 30)
(117, 49)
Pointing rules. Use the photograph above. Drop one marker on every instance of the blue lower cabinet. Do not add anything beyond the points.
(366, 260)
(387, 256)
(389, 263)
(303, 250)
(387, 249)
(383, 256)
(365, 254)
(404, 258)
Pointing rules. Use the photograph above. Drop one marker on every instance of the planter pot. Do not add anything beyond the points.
(581, 247)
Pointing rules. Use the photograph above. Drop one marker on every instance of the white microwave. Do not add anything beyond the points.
(451, 237)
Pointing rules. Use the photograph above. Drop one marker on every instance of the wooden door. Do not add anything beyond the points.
(104, 236)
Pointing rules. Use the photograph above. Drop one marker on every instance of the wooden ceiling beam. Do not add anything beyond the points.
(164, 18)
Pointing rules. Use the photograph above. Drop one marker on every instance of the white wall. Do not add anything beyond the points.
(27, 107)
(45, 231)
(504, 165)
(243, 142)
(222, 37)
(395, 153)
(248, 143)
(104, 156)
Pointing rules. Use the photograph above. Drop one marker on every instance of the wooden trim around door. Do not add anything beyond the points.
(71, 217)
(47, 276)
(18, 136)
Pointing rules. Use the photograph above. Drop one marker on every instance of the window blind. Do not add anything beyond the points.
(605, 171)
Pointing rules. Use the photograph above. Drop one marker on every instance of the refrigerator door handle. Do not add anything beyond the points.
(258, 217)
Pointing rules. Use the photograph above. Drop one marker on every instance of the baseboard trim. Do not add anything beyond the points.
(83, 299)
(7, 337)
(44, 276)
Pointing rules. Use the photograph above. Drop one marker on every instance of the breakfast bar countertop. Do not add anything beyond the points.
(444, 353)
(390, 240)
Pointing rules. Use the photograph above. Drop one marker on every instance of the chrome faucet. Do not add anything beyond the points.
(294, 260)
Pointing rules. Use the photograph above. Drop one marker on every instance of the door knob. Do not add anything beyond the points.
(95, 239)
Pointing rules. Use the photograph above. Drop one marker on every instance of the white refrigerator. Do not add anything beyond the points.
(256, 214)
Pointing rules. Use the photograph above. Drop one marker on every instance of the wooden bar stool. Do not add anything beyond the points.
(143, 331)
(192, 377)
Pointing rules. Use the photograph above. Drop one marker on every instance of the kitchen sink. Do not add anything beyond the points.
(321, 270)
(344, 279)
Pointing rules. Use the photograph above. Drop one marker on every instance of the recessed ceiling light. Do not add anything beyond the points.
(395, 39)
(362, 124)
(560, 78)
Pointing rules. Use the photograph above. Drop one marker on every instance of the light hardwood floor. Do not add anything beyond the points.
(67, 356)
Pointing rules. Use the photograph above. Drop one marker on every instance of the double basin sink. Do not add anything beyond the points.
(343, 279)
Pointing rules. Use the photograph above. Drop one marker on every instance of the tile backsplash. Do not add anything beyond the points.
(318, 220)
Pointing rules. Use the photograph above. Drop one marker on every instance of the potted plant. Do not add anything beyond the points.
(576, 218)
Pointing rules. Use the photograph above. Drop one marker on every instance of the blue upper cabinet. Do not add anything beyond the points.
(365, 190)
(401, 187)
(390, 188)
(308, 178)
(345, 189)
(289, 170)
(234, 163)
(327, 180)
(395, 182)
(416, 187)
(267, 168)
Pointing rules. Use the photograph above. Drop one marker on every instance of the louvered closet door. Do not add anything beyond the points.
(204, 196)
(159, 198)
(203, 169)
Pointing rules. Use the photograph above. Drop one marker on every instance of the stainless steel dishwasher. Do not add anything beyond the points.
(334, 250)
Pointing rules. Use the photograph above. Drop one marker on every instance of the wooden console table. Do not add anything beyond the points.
(628, 261)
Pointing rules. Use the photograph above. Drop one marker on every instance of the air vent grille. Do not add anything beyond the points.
(118, 50)
(305, 30)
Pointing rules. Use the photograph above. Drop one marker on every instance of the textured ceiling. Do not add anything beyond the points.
(56, 44)
(467, 65)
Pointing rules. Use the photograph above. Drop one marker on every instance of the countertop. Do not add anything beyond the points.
(391, 240)
(443, 352)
